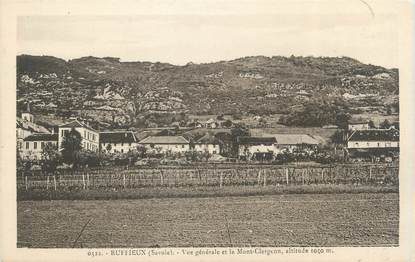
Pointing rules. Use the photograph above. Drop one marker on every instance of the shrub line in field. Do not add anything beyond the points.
(199, 192)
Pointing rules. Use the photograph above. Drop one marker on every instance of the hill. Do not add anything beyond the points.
(134, 93)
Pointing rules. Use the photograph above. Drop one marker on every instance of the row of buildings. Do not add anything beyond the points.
(32, 138)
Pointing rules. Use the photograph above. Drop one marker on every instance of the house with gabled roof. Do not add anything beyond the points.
(290, 142)
(117, 141)
(207, 143)
(26, 126)
(373, 139)
(90, 136)
(258, 148)
(358, 125)
(164, 144)
(34, 144)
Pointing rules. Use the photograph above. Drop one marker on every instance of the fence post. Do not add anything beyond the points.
(265, 178)
(54, 182)
(83, 180)
(25, 183)
(87, 181)
(259, 177)
(47, 183)
(286, 175)
(161, 177)
(322, 175)
(302, 175)
(123, 178)
(221, 179)
(370, 172)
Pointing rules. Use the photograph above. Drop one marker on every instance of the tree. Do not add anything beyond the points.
(50, 158)
(227, 124)
(108, 147)
(389, 110)
(142, 151)
(385, 124)
(342, 119)
(319, 112)
(71, 147)
(338, 137)
(371, 124)
(237, 131)
(262, 122)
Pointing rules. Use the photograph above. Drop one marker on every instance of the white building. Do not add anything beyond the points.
(90, 137)
(208, 144)
(374, 139)
(164, 144)
(291, 142)
(25, 126)
(117, 141)
(259, 148)
(358, 125)
(33, 145)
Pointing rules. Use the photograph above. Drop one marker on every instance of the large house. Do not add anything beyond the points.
(373, 142)
(258, 148)
(207, 143)
(25, 126)
(291, 142)
(117, 141)
(33, 145)
(90, 137)
(165, 144)
(358, 125)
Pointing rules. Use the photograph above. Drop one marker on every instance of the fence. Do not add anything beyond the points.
(208, 176)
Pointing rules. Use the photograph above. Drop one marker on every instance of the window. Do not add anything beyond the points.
(356, 144)
(42, 145)
(182, 146)
(27, 145)
(129, 144)
(214, 152)
(122, 150)
(378, 144)
(122, 144)
(367, 144)
(34, 145)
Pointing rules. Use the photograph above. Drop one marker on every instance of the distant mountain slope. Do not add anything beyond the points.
(258, 84)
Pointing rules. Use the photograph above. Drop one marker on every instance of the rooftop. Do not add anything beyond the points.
(164, 140)
(42, 137)
(375, 135)
(207, 139)
(117, 137)
(76, 123)
(358, 121)
(294, 139)
(256, 140)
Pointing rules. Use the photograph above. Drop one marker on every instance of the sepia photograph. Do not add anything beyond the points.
(208, 130)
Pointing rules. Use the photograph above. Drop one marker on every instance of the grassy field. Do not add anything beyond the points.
(366, 219)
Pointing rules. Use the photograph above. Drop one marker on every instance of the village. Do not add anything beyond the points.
(212, 140)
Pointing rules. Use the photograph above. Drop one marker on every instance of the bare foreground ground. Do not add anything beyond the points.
(364, 219)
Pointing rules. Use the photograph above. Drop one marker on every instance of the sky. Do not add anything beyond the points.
(355, 30)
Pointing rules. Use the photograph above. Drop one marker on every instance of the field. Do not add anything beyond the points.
(364, 219)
